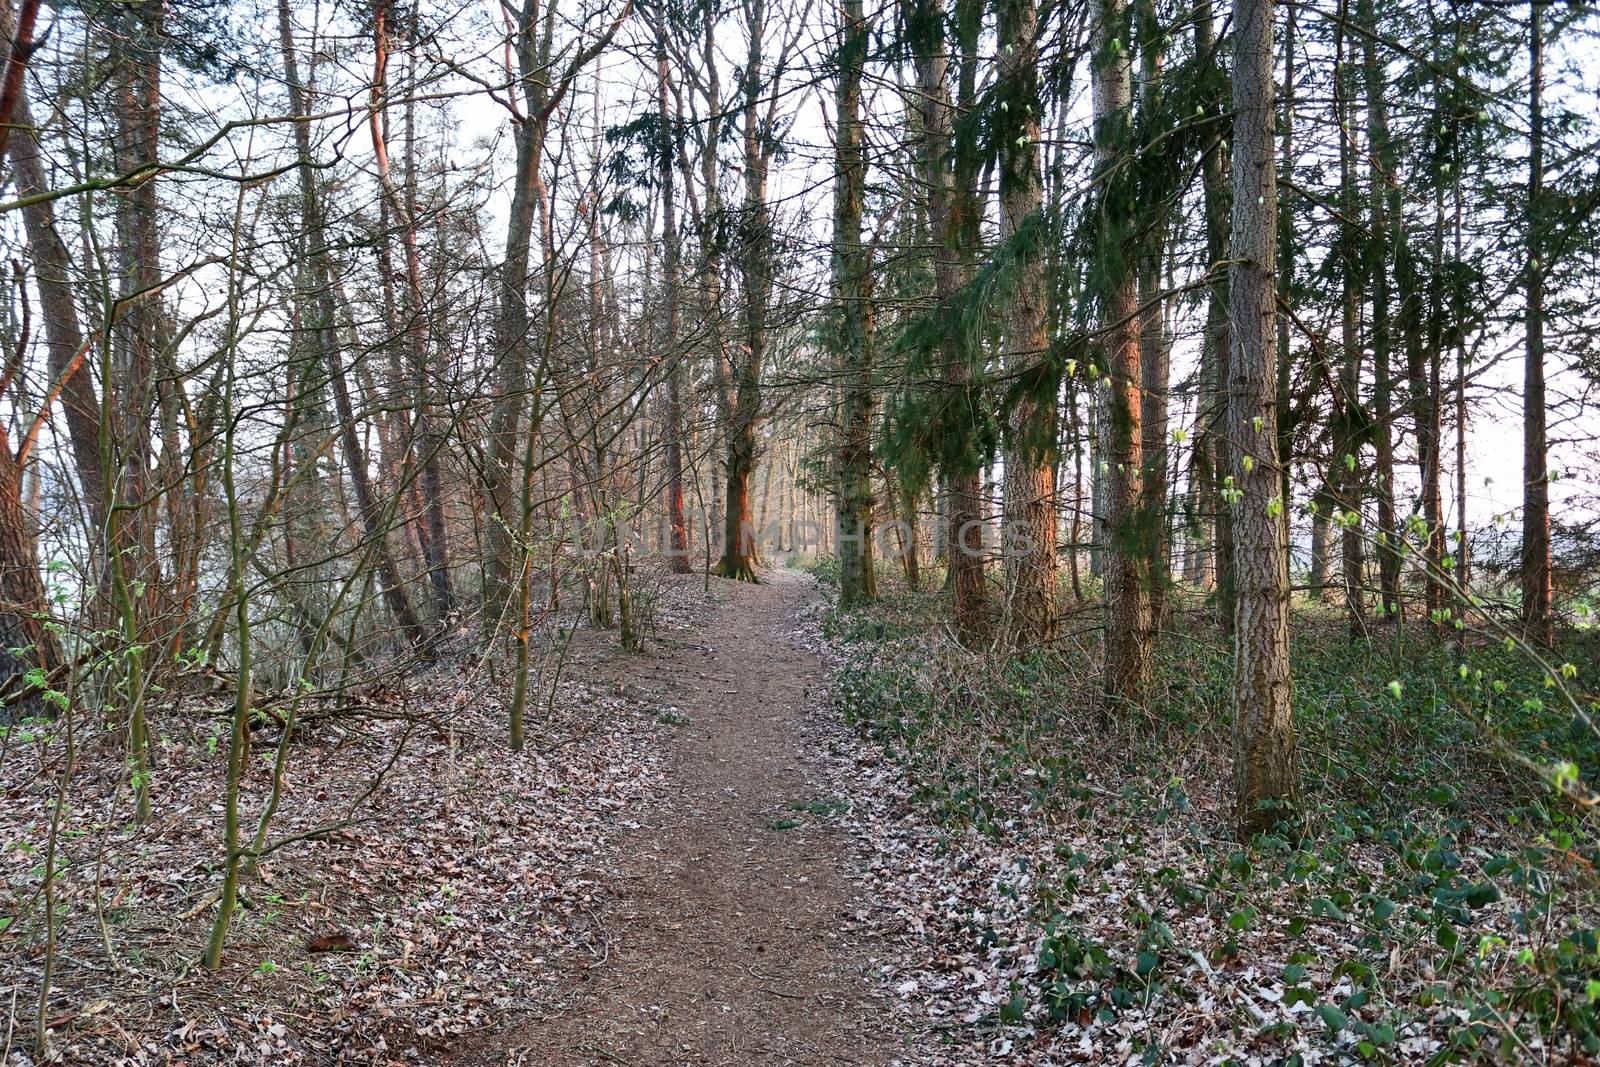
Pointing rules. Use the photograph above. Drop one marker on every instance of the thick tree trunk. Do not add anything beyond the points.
(66, 350)
(1266, 775)
(853, 319)
(952, 209)
(1028, 540)
(1218, 348)
(739, 549)
(1127, 571)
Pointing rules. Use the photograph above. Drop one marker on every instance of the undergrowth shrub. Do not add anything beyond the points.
(1441, 888)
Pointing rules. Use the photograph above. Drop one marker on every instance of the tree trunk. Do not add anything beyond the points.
(1218, 346)
(1538, 594)
(1028, 541)
(1321, 545)
(429, 441)
(66, 350)
(28, 643)
(1347, 436)
(1286, 269)
(853, 319)
(129, 406)
(322, 338)
(1127, 572)
(1384, 201)
(673, 373)
(952, 211)
(1266, 776)
(739, 555)
(1155, 347)
(512, 326)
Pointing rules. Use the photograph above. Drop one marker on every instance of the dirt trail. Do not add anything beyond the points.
(722, 920)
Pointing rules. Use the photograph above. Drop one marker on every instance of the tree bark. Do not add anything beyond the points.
(739, 549)
(1028, 541)
(67, 353)
(429, 442)
(1127, 571)
(1538, 593)
(512, 326)
(1384, 203)
(671, 271)
(322, 338)
(1155, 346)
(1217, 350)
(952, 210)
(853, 319)
(1266, 775)
(1347, 434)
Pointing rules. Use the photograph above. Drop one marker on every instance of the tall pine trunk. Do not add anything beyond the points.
(1127, 573)
(1029, 534)
(1347, 435)
(1217, 347)
(1266, 776)
(671, 274)
(853, 318)
(1155, 347)
(952, 219)
(1384, 210)
(1538, 595)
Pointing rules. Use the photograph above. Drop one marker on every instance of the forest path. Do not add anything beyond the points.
(723, 917)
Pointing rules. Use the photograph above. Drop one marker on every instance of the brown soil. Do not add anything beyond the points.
(724, 917)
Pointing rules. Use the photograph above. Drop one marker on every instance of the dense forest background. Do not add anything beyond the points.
(1210, 384)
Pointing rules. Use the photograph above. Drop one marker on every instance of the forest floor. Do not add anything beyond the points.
(727, 914)
(660, 878)
(781, 834)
